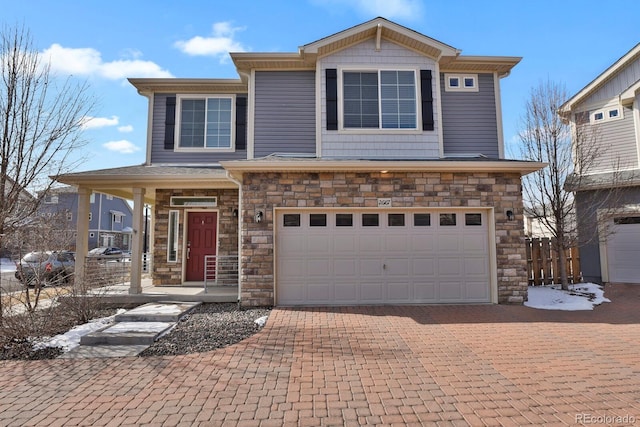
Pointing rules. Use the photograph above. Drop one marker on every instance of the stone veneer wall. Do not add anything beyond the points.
(170, 273)
(264, 191)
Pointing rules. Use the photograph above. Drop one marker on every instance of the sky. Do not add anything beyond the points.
(569, 42)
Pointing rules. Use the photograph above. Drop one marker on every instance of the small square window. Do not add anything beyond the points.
(396, 220)
(447, 219)
(469, 82)
(344, 220)
(613, 113)
(370, 220)
(421, 219)
(291, 220)
(627, 220)
(454, 82)
(598, 116)
(317, 220)
(473, 219)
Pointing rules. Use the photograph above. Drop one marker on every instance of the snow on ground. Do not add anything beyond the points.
(581, 296)
(7, 266)
(71, 339)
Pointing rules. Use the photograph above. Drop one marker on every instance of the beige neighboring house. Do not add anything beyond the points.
(352, 171)
(534, 227)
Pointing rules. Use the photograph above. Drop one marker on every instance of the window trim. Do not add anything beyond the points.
(380, 130)
(189, 96)
(605, 112)
(461, 79)
(173, 225)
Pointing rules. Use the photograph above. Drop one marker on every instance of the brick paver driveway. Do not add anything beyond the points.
(458, 365)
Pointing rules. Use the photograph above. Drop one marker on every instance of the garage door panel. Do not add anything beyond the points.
(346, 292)
(422, 243)
(425, 291)
(370, 243)
(391, 262)
(320, 293)
(320, 244)
(293, 269)
(345, 268)
(423, 267)
(477, 291)
(399, 291)
(449, 243)
(623, 252)
(449, 266)
(372, 292)
(450, 291)
(344, 243)
(319, 267)
(475, 266)
(396, 243)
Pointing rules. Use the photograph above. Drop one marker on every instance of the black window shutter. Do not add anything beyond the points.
(241, 122)
(170, 123)
(427, 100)
(332, 98)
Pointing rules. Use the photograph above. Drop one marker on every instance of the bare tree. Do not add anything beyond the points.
(41, 120)
(547, 137)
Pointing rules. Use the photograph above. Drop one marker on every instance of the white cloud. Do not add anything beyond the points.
(218, 45)
(391, 9)
(88, 62)
(89, 122)
(125, 129)
(123, 146)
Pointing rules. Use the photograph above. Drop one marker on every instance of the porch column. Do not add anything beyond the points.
(82, 233)
(137, 239)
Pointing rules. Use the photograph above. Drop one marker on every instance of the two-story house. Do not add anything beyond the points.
(607, 189)
(109, 217)
(366, 168)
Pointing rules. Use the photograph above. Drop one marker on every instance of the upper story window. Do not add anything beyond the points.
(51, 200)
(461, 82)
(605, 114)
(382, 99)
(205, 122)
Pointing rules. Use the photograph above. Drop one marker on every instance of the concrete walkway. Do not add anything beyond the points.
(422, 365)
(132, 332)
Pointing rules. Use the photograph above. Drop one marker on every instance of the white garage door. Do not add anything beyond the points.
(623, 250)
(382, 257)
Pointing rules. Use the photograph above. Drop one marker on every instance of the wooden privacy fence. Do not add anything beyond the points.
(542, 263)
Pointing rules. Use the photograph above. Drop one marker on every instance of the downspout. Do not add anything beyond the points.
(231, 178)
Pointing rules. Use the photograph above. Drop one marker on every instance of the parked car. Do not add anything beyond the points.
(105, 253)
(46, 268)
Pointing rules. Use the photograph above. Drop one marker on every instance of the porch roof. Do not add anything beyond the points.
(121, 181)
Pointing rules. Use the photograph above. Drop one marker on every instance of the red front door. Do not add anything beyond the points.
(201, 240)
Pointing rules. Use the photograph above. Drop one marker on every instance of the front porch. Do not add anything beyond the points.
(120, 293)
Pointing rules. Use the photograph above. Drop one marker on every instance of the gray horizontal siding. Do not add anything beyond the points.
(161, 155)
(284, 112)
(469, 123)
(616, 142)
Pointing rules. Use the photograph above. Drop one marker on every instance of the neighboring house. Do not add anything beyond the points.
(535, 227)
(110, 217)
(366, 168)
(23, 203)
(608, 193)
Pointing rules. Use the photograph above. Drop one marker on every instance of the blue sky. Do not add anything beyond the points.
(566, 41)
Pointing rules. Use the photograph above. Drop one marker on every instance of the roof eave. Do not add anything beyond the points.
(566, 108)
